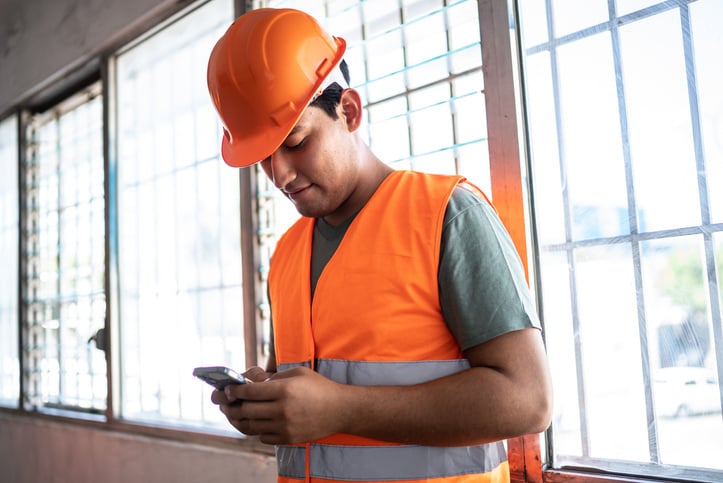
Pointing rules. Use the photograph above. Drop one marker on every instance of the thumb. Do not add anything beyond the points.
(256, 374)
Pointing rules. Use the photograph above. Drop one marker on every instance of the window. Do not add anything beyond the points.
(64, 299)
(178, 258)
(624, 116)
(9, 238)
(417, 65)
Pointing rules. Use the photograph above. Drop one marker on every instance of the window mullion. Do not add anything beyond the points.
(29, 263)
(506, 176)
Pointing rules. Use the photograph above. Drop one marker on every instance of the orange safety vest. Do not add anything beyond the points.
(375, 320)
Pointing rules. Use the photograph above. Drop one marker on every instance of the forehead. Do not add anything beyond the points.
(310, 118)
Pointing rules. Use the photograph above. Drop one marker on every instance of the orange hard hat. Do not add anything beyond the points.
(262, 73)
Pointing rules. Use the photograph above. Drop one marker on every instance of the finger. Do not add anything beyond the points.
(295, 372)
(233, 415)
(256, 374)
(255, 427)
(219, 397)
(233, 392)
(257, 391)
(258, 410)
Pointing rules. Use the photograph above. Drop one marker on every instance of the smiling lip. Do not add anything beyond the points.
(297, 193)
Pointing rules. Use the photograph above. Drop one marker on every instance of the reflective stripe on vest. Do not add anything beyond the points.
(365, 373)
(382, 463)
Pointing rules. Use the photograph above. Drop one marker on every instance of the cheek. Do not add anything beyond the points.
(337, 173)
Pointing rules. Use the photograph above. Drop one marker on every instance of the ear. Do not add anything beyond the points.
(351, 109)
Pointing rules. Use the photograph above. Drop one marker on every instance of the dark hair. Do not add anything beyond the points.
(330, 98)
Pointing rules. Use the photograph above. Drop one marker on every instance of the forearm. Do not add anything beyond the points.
(505, 393)
(473, 407)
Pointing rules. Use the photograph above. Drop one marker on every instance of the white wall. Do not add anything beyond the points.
(33, 451)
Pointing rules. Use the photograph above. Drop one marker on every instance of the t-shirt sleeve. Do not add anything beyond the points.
(482, 287)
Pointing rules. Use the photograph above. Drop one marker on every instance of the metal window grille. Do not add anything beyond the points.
(9, 239)
(417, 64)
(624, 117)
(177, 260)
(64, 257)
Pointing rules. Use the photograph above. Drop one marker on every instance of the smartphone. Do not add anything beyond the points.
(219, 376)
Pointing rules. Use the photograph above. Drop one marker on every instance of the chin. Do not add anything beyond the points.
(310, 212)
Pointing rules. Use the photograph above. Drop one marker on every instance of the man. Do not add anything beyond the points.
(406, 345)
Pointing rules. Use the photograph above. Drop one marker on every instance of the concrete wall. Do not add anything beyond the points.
(42, 43)
(33, 451)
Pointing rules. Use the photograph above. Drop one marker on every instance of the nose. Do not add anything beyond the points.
(282, 169)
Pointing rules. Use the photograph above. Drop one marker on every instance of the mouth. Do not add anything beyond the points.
(295, 194)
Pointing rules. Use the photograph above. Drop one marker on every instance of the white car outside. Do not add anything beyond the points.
(686, 391)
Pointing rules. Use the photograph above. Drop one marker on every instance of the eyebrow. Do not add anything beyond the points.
(293, 131)
(297, 127)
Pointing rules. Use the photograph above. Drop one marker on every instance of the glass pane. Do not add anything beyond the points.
(625, 7)
(388, 55)
(349, 24)
(469, 111)
(414, 9)
(610, 354)
(389, 130)
(9, 238)
(592, 155)
(572, 15)
(379, 16)
(708, 44)
(533, 20)
(659, 119)
(427, 135)
(178, 227)
(422, 75)
(685, 379)
(473, 162)
(464, 35)
(544, 150)
(718, 244)
(436, 162)
(425, 38)
(560, 339)
(65, 257)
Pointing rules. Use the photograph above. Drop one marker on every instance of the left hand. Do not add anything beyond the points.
(294, 406)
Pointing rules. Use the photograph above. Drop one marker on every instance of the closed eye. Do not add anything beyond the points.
(296, 146)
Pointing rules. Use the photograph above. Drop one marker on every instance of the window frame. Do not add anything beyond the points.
(507, 156)
(54, 117)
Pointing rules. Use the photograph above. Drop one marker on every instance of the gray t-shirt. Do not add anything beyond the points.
(482, 287)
